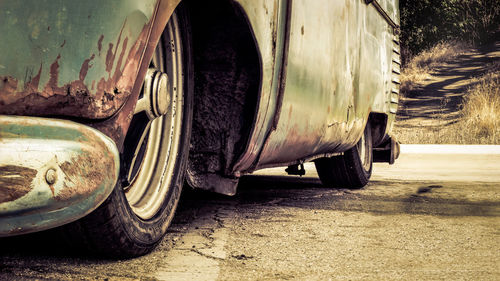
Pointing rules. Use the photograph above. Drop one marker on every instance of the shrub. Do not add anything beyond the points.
(425, 23)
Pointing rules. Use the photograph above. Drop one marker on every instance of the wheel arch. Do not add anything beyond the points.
(227, 71)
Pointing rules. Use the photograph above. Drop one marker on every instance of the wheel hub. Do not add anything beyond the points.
(156, 98)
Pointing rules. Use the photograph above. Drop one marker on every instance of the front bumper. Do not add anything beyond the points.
(51, 172)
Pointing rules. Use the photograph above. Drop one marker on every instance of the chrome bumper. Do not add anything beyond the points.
(51, 172)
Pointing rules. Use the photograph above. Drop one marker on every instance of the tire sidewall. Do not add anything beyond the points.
(369, 153)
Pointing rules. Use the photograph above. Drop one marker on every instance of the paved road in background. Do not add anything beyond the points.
(433, 215)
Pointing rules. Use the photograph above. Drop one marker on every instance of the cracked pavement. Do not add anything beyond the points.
(434, 215)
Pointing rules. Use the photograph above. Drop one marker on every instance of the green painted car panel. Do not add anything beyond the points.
(72, 58)
(341, 64)
(268, 20)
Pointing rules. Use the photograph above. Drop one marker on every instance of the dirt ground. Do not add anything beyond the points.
(435, 104)
(430, 217)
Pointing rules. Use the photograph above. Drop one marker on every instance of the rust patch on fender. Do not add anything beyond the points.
(87, 172)
(100, 99)
(77, 100)
(15, 182)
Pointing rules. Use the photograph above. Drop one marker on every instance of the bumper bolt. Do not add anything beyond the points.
(51, 176)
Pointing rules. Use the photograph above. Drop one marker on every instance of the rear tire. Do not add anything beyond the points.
(135, 217)
(351, 170)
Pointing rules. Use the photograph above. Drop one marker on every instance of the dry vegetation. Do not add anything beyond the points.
(420, 67)
(481, 107)
(479, 116)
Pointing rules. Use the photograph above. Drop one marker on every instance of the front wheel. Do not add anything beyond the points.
(351, 170)
(135, 217)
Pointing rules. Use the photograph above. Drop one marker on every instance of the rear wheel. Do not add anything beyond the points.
(136, 215)
(351, 170)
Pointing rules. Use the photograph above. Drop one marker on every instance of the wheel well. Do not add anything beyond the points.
(378, 122)
(226, 85)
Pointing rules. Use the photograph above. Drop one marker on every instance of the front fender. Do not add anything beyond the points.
(71, 58)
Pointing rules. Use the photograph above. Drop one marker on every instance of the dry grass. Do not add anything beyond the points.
(479, 118)
(421, 66)
(456, 133)
(481, 107)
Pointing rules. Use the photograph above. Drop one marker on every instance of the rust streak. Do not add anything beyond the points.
(118, 71)
(85, 67)
(51, 86)
(110, 58)
(99, 44)
(15, 182)
(32, 86)
(52, 190)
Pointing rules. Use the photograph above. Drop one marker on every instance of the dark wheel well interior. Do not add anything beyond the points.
(226, 84)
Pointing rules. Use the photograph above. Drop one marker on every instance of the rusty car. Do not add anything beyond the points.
(109, 108)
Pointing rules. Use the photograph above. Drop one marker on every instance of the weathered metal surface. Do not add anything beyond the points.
(336, 70)
(335, 77)
(51, 172)
(268, 20)
(116, 127)
(71, 58)
(388, 12)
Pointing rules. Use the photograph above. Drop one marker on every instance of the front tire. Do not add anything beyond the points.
(135, 217)
(351, 170)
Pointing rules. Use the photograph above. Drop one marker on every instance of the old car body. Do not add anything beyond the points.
(276, 83)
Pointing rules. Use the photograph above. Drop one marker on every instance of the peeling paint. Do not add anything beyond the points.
(93, 94)
(75, 98)
(15, 182)
(82, 173)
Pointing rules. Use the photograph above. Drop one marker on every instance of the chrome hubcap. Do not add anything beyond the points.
(157, 97)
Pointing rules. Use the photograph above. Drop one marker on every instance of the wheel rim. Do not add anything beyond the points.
(156, 128)
(364, 156)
